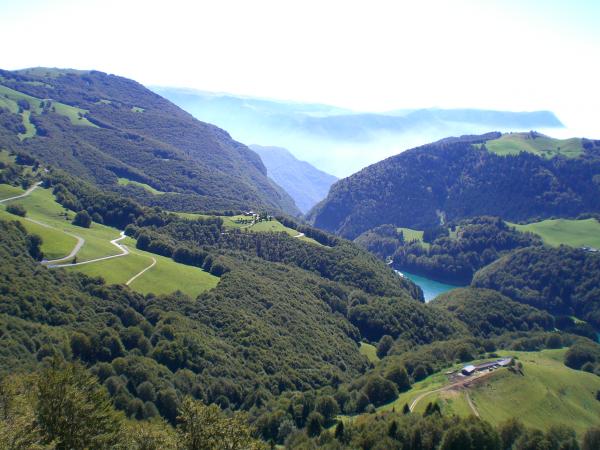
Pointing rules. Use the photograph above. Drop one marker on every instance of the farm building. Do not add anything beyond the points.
(468, 370)
(491, 365)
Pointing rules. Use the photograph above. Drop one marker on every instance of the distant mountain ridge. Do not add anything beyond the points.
(107, 128)
(306, 184)
(458, 178)
(340, 141)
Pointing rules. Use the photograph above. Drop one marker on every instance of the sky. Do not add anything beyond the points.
(365, 55)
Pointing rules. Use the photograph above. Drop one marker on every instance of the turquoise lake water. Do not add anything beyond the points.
(431, 288)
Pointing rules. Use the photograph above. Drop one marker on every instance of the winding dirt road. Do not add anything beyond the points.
(25, 194)
(115, 242)
(51, 264)
(462, 384)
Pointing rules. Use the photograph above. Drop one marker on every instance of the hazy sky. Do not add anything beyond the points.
(366, 55)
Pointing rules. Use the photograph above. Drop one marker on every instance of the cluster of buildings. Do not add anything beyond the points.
(491, 365)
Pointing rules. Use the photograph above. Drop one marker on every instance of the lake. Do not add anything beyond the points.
(431, 288)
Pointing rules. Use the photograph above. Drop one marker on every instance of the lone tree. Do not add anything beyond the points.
(399, 376)
(384, 345)
(82, 219)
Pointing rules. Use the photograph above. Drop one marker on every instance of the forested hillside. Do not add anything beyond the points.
(116, 133)
(459, 178)
(563, 280)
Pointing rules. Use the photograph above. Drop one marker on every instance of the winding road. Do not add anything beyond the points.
(462, 384)
(115, 242)
(55, 263)
(25, 194)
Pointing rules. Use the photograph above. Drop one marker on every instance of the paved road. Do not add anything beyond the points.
(25, 194)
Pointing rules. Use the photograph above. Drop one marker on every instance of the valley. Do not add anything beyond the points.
(167, 266)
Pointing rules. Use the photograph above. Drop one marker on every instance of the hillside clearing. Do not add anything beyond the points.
(549, 393)
(536, 143)
(370, 351)
(576, 233)
(165, 277)
(10, 98)
(126, 182)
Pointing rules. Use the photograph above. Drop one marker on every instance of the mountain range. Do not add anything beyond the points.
(342, 141)
(143, 307)
(520, 177)
(306, 184)
(117, 133)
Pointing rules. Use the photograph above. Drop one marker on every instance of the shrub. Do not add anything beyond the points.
(17, 210)
(82, 219)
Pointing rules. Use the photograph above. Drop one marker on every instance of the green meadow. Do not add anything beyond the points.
(548, 393)
(126, 181)
(7, 191)
(41, 206)
(576, 233)
(268, 226)
(544, 146)
(370, 351)
(165, 277)
(10, 97)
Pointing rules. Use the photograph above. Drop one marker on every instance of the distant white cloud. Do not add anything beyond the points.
(376, 55)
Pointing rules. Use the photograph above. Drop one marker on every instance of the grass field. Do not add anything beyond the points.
(168, 276)
(10, 97)
(6, 157)
(56, 244)
(413, 235)
(126, 181)
(273, 226)
(370, 351)
(165, 277)
(576, 233)
(544, 146)
(549, 393)
(30, 129)
(7, 191)
(41, 206)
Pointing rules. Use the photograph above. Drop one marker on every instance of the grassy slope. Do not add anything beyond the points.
(411, 235)
(9, 98)
(5, 155)
(165, 277)
(56, 244)
(273, 226)
(549, 393)
(6, 191)
(370, 351)
(125, 182)
(576, 233)
(30, 129)
(547, 147)
(40, 205)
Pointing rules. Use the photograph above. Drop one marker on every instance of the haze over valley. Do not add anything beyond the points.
(385, 237)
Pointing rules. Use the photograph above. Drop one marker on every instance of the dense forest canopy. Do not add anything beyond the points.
(563, 281)
(458, 178)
